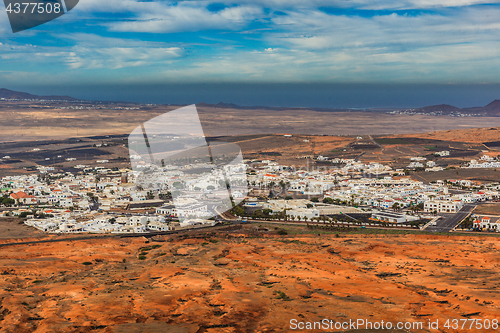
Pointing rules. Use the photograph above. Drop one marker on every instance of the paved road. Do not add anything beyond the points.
(446, 224)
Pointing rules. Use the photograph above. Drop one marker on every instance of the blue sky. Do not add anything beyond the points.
(143, 43)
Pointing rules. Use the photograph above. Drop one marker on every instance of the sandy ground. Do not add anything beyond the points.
(14, 228)
(478, 135)
(246, 282)
(488, 209)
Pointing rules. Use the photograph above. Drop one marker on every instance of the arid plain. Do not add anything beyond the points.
(32, 121)
(247, 280)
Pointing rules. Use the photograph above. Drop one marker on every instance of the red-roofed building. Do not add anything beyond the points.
(487, 223)
(24, 198)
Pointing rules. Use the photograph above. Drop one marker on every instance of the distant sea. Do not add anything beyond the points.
(321, 95)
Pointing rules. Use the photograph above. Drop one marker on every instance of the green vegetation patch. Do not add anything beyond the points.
(149, 248)
(282, 295)
(295, 241)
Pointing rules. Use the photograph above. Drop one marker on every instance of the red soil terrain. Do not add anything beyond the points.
(245, 282)
(472, 135)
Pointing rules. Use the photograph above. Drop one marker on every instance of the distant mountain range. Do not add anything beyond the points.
(10, 94)
(222, 105)
(492, 109)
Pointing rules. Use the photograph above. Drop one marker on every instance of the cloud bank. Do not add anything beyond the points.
(409, 41)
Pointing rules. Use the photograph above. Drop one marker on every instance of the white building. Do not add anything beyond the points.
(157, 226)
(414, 165)
(70, 227)
(194, 210)
(430, 164)
(487, 223)
(302, 213)
(442, 206)
(443, 153)
(165, 210)
(137, 221)
(393, 217)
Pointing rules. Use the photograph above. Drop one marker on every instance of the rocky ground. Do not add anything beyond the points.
(245, 281)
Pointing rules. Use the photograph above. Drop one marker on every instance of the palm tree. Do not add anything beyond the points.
(285, 216)
(282, 184)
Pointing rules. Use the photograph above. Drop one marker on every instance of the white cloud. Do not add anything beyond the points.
(93, 52)
(187, 18)
(120, 57)
(441, 45)
(453, 64)
(315, 30)
(170, 16)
